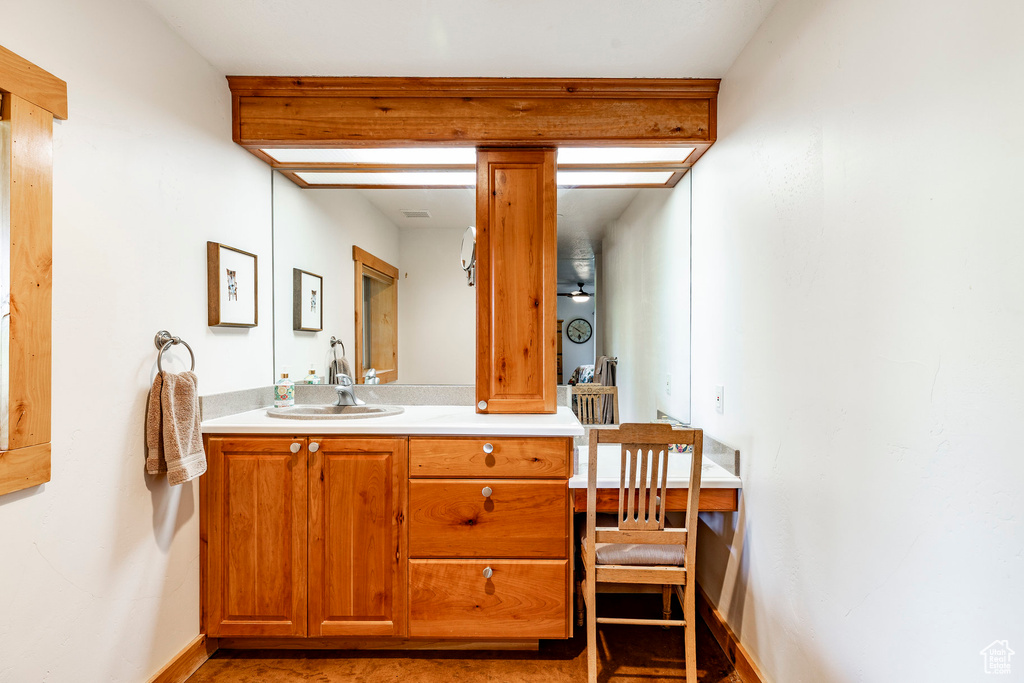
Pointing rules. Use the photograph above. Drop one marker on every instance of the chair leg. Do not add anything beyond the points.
(666, 602)
(579, 602)
(690, 630)
(591, 588)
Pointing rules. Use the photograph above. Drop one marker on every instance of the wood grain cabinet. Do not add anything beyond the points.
(255, 531)
(490, 548)
(311, 537)
(304, 536)
(357, 557)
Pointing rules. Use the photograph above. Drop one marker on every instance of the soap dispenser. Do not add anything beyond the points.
(312, 377)
(284, 391)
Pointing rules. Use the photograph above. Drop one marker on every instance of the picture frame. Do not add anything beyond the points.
(232, 285)
(307, 301)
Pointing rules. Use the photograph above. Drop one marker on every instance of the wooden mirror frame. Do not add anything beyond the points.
(368, 265)
(30, 99)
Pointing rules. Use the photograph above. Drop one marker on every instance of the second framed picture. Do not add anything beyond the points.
(307, 301)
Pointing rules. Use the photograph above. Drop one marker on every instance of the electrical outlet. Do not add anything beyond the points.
(668, 384)
(719, 398)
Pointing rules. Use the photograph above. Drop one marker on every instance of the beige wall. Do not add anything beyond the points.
(315, 230)
(99, 577)
(858, 290)
(436, 309)
(643, 303)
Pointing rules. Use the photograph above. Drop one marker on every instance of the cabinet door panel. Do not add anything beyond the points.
(357, 537)
(516, 278)
(256, 556)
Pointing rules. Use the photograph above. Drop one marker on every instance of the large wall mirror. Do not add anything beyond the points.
(623, 281)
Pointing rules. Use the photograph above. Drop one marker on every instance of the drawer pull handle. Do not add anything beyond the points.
(295, 448)
(488, 572)
(488, 448)
(487, 492)
(314, 447)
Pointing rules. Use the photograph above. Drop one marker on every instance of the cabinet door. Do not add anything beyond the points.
(256, 536)
(357, 540)
(516, 273)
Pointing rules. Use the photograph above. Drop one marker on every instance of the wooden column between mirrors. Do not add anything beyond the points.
(516, 276)
(30, 99)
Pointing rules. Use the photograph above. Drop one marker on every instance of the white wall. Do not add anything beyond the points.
(644, 303)
(574, 354)
(436, 309)
(99, 575)
(858, 290)
(314, 230)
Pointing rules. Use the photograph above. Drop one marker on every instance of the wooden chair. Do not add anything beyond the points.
(589, 403)
(640, 549)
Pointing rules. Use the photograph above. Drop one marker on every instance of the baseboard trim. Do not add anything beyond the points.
(185, 663)
(727, 640)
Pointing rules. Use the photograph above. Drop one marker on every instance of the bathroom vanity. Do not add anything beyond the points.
(436, 527)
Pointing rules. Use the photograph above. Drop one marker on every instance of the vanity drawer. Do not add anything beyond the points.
(453, 518)
(520, 599)
(507, 456)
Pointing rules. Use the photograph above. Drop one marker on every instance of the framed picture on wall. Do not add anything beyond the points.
(231, 285)
(307, 301)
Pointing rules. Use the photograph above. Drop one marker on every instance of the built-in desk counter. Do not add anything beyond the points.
(718, 487)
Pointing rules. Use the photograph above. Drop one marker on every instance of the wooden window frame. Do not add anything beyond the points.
(368, 265)
(30, 98)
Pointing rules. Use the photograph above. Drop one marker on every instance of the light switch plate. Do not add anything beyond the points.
(719, 398)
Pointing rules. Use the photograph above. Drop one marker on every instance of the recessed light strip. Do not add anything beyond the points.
(468, 178)
(441, 156)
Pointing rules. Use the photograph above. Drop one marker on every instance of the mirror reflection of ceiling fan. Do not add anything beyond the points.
(579, 296)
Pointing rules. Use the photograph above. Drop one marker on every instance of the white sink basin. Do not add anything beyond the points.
(333, 412)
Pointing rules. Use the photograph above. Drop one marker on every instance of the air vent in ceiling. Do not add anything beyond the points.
(416, 213)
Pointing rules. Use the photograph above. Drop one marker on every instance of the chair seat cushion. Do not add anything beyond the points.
(639, 554)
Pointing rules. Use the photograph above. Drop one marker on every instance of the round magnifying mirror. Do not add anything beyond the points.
(469, 248)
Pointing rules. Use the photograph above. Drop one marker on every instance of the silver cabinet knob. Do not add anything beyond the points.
(295, 447)
(486, 492)
(488, 448)
(314, 447)
(482, 405)
(488, 572)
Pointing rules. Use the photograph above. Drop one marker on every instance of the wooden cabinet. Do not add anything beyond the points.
(516, 278)
(311, 537)
(357, 555)
(255, 531)
(264, 497)
(490, 553)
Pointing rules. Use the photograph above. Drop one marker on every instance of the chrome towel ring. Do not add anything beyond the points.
(164, 341)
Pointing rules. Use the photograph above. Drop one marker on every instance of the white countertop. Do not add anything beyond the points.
(609, 467)
(449, 420)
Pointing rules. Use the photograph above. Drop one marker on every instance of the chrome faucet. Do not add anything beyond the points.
(346, 395)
